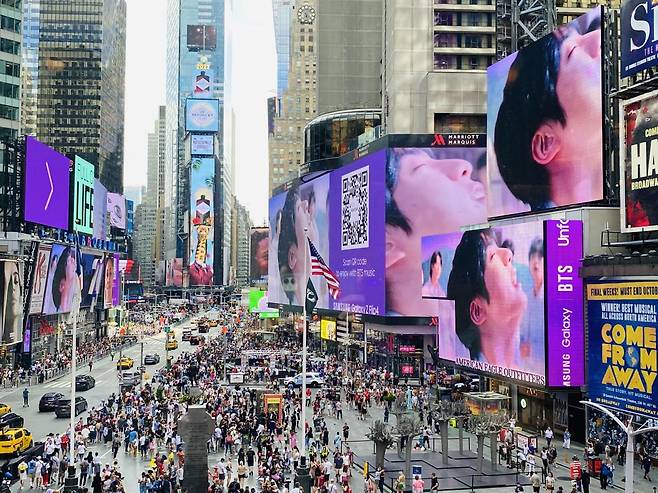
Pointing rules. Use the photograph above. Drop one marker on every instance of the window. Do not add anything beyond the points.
(9, 46)
(443, 40)
(472, 42)
(474, 19)
(10, 24)
(12, 3)
(442, 19)
(459, 123)
(444, 62)
(473, 62)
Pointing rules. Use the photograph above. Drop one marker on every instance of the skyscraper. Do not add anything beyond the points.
(74, 80)
(10, 39)
(282, 11)
(298, 102)
(195, 69)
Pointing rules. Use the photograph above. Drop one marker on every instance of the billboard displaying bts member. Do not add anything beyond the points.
(545, 113)
(428, 191)
(60, 287)
(12, 301)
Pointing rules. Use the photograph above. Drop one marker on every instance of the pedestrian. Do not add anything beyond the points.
(434, 484)
(535, 482)
(22, 473)
(518, 488)
(550, 482)
(401, 482)
(646, 466)
(585, 480)
(90, 365)
(417, 485)
(26, 394)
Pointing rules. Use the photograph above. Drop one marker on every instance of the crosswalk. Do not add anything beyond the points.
(64, 384)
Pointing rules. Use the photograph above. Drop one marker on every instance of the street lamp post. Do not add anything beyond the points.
(629, 469)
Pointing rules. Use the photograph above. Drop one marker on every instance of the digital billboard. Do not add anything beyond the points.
(496, 278)
(201, 37)
(260, 244)
(545, 121)
(622, 351)
(328, 329)
(60, 283)
(202, 84)
(565, 340)
(428, 191)
(108, 280)
(83, 196)
(202, 145)
(39, 278)
(47, 185)
(116, 285)
(202, 219)
(639, 163)
(174, 272)
(100, 210)
(304, 206)
(116, 208)
(639, 41)
(130, 216)
(92, 278)
(202, 115)
(12, 301)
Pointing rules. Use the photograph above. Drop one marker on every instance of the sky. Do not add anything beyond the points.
(253, 80)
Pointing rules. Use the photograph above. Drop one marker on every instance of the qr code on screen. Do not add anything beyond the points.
(355, 209)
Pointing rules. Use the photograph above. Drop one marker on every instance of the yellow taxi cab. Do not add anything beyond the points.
(213, 323)
(172, 344)
(4, 409)
(15, 441)
(125, 363)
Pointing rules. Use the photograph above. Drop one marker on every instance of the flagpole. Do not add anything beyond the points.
(303, 416)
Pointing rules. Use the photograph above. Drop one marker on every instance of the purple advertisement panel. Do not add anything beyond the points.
(116, 289)
(564, 303)
(357, 234)
(46, 185)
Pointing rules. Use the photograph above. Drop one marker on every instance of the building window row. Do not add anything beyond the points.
(10, 24)
(464, 19)
(461, 62)
(10, 46)
(17, 4)
(8, 90)
(450, 40)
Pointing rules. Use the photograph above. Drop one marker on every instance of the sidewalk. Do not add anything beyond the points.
(363, 447)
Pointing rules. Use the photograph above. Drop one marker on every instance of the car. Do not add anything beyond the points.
(11, 420)
(171, 344)
(49, 400)
(186, 335)
(203, 329)
(130, 378)
(63, 407)
(84, 382)
(196, 340)
(125, 363)
(14, 441)
(313, 379)
(281, 373)
(4, 409)
(152, 359)
(213, 323)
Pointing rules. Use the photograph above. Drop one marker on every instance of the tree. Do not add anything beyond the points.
(483, 425)
(409, 426)
(381, 436)
(443, 411)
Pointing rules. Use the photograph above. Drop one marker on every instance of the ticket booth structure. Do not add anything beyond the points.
(273, 403)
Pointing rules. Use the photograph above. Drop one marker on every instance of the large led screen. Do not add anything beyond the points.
(495, 277)
(259, 254)
(60, 284)
(11, 298)
(92, 278)
(116, 209)
(39, 279)
(302, 208)
(428, 191)
(108, 280)
(545, 121)
(638, 36)
(174, 272)
(202, 219)
(622, 350)
(202, 115)
(202, 145)
(639, 163)
(100, 210)
(201, 37)
(83, 196)
(116, 285)
(47, 185)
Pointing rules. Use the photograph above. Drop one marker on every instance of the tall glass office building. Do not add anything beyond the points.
(10, 48)
(195, 43)
(74, 80)
(282, 12)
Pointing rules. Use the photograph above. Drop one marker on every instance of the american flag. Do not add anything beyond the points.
(320, 268)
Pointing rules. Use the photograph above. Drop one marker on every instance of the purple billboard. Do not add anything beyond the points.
(47, 185)
(357, 234)
(564, 303)
(116, 288)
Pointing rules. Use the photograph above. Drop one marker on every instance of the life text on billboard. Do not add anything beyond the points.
(639, 163)
(47, 185)
(545, 122)
(83, 198)
(639, 36)
(622, 351)
(564, 303)
(202, 219)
